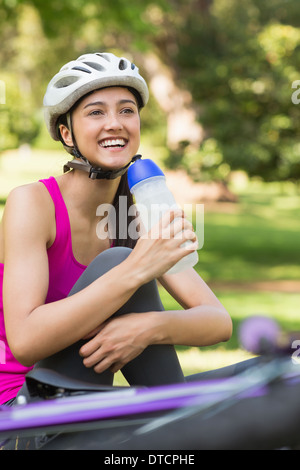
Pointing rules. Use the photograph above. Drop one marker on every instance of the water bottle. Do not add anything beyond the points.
(147, 183)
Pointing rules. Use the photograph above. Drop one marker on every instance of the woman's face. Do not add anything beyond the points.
(106, 125)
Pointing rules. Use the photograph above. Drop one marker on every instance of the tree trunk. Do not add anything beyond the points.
(182, 125)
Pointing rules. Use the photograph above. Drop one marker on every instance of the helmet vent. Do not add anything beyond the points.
(81, 69)
(95, 66)
(104, 56)
(122, 65)
(66, 81)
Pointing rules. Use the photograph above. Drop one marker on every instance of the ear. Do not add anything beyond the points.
(66, 135)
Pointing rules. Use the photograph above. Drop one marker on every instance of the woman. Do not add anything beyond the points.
(66, 289)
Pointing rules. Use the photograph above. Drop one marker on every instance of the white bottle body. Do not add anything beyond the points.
(153, 199)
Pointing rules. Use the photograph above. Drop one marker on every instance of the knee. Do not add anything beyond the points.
(108, 259)
(103, 263)
(113, 256)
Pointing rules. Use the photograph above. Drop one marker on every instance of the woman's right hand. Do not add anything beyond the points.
(161, 248)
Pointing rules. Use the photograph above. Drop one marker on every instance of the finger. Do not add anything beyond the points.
(189, 245)
(101, 359)
(164, 223)
(186, 234)
(170, 215)
(90, 347)
(93, 359)
(116, 367)
(177, 227)
(103, 365)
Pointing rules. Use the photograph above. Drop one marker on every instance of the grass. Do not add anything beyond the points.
(256, 239)
(259, 241)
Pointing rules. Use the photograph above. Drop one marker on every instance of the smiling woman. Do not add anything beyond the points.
(106, 124)
(86, 306)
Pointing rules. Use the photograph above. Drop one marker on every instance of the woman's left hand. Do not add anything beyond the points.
(117, 342)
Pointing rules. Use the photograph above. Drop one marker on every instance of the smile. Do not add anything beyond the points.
(111, 143)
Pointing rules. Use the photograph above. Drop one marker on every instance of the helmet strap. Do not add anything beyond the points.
(98, 173)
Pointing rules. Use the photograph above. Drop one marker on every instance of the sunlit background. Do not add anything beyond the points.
(223, 122)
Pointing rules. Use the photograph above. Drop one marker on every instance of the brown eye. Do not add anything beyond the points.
(127, 111)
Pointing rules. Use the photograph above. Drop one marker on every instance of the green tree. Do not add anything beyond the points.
(20, 71)
(239, 59)
(221, 73)
(40, 36)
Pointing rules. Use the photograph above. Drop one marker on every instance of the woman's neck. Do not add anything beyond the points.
(85, 194)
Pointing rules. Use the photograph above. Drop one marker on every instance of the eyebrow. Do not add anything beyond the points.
(102, 103)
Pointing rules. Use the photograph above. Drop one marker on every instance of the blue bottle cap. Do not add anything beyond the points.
(141, 170)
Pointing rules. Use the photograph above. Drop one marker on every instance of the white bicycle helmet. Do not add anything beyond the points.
(88, 73)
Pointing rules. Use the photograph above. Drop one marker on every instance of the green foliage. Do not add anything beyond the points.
(19, 122)
(21, 73)
(238, 58)
(240, 61)
(40, 36)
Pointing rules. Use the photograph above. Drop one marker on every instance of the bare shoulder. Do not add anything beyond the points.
(34, 193)
(29, 207)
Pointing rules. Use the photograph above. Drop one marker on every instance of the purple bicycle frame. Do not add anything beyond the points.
(109, 405)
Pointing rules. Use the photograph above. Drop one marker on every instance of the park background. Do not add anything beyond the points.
(222, 121)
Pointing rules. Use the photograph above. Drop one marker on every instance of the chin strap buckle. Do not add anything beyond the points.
(98, 173)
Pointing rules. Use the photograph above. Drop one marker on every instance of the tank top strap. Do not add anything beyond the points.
(63, 230)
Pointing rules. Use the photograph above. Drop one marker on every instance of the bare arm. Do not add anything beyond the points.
(204, 321)
(36, 330)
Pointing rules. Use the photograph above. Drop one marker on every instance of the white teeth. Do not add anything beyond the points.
(112, 142)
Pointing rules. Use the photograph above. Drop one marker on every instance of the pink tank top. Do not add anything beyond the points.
(64, 271)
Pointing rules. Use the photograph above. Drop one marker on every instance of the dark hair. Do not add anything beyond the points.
(123, 190)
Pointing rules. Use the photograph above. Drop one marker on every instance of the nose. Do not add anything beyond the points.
(113, 122)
